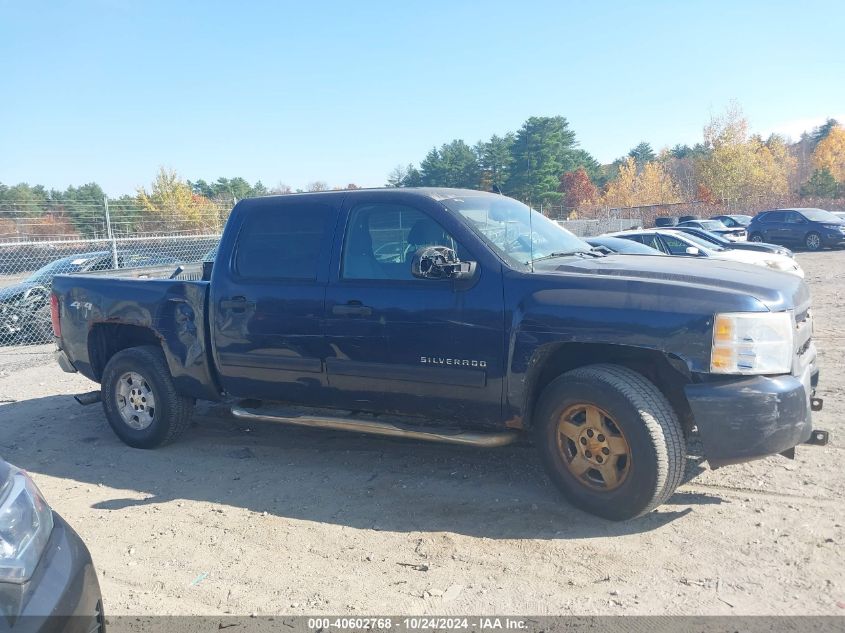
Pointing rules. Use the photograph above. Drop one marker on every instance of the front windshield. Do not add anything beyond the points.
(505, 225)
(701, 243)
(710, 238)
(820, 215)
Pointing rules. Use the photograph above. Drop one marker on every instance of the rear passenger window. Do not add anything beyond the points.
(774, 216)
(282, 242)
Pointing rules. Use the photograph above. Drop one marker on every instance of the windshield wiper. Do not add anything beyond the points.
(569, 254)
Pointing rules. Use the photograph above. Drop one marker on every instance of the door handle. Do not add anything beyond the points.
(236, 303)
(352, 308)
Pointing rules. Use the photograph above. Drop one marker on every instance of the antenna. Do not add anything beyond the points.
(531, 236)
(530, 217)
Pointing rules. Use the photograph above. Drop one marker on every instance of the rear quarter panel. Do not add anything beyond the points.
(173, 310)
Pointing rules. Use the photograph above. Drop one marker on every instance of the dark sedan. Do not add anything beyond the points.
(25, 306)
(813, 229)
(718, 240)
(47, 578)
(734, 221)
(619, 245)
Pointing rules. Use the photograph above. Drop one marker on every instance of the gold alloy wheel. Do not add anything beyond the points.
(593, 447)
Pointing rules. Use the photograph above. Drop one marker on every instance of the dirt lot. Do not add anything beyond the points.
(269, 519)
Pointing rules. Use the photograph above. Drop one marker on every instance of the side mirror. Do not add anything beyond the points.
(440, 262)
(693, 250)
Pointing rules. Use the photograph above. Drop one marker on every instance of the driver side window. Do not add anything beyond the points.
(381, 240)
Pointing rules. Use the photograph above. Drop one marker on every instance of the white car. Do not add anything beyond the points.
(683, 244)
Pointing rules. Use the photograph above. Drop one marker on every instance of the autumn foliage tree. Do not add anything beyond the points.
(577, 189)
(830, 153)
(171, 205)
(635, 186)
(739, 166)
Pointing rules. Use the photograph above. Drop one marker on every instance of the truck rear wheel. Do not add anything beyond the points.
(140, 398)
(610, 441)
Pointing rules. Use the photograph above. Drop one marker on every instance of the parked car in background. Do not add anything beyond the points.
(718, 240)
(678, 243)
(733, 221)
(714, 226)
(47, 578)
(25, 306)
(813, 229)
(623, 247)
(839, 214)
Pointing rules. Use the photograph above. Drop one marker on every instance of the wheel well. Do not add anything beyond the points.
(668, 374)
(107, 339)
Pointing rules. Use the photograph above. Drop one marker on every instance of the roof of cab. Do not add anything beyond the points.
(435, 193)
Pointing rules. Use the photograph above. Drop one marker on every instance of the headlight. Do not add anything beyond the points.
(26, 522)
(752, 343)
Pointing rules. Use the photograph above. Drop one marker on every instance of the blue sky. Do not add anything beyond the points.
(108, 90)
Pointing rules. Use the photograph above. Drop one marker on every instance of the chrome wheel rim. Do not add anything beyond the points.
(813, 241)
(135, 401)
(593, 447)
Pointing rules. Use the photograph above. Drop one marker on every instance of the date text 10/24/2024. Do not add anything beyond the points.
(418, 623)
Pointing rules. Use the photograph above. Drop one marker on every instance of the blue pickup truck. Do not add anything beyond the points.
(462, 317)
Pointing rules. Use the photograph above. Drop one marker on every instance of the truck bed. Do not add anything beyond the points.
(97, 310)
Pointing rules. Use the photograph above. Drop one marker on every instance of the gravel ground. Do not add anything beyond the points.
(268, 519)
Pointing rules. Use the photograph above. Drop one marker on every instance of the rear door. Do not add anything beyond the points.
(268, 297)
(794, 227)
(774, 227)
(432, 348)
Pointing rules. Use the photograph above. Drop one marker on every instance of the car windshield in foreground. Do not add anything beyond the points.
(820, 215)
(516, 232)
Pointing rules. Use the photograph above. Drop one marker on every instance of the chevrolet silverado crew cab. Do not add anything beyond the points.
(463, 317)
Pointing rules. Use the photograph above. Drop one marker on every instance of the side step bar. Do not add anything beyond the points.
(91, 397)
(378, 427)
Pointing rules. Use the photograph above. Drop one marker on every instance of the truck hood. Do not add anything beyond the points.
(776, 290)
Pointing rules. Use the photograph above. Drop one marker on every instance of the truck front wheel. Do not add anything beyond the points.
(140, 398)
(610, 441)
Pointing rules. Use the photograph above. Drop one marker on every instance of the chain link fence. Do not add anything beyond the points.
(39, 241)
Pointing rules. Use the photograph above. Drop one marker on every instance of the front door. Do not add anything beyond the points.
(405, 345)
(268, 297)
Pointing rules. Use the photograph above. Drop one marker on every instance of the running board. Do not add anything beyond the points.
(91, 397)
(374, 426)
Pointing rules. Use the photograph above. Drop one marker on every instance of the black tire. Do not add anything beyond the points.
(755, 237)
(813, 241)
(172, 412)
(645, 420)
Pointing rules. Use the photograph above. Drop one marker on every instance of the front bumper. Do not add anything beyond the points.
(63, 594)
(833, 238)
(747, 418)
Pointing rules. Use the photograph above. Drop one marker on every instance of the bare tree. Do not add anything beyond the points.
(281, 189)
